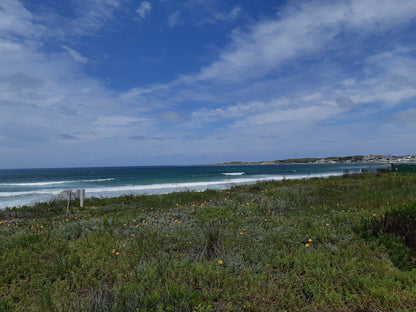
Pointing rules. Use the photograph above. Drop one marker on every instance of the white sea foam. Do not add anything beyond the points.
(23, 184)
(28, 193)
(199, 185)
(36, 183)
(232, 173)
(30, 197)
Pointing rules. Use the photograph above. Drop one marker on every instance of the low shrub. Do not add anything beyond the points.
(212, 236)
(396, 230)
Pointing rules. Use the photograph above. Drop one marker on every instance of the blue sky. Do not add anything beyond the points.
(163, 82)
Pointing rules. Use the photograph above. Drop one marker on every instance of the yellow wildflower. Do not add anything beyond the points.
(307, 245)
(219, 261)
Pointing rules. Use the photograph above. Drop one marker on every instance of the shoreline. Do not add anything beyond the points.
(168, 188)
(29, 193)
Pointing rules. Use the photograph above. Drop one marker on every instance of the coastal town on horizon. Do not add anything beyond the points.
(388, 158)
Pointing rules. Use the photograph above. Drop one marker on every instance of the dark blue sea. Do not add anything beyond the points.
(20, 187)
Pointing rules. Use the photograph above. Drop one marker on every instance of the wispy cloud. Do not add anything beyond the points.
(200, 13)
(75, 55)
(221, 16)
(15, 19)
(302, 32)
(170, 116)
(91, 16)
(406, 117)
(111, 121)
(174, 19)
(144, 9)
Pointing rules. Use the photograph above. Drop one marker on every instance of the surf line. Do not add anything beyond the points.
(233, 173)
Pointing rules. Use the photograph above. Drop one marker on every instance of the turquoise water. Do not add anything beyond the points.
(20, 187)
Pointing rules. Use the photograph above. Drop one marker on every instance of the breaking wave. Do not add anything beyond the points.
(233, 173)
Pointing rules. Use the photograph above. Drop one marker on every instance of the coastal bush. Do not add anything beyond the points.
(396, 230)
(212, 241)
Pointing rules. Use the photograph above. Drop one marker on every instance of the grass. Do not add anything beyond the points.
(335, 244)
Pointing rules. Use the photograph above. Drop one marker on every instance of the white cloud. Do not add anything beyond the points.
(170, 116)
(406, 116)
(234, 111)
(15, 19)
(173, 19)
(307, 115)
(91, 16)
(389, 97)
(75, 55)
(301, 31)
(136, 92)
(144, 9)
(220, 16)
(200, 13)
(308, 108)
(105, 121)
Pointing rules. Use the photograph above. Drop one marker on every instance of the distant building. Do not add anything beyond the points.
(377, 158)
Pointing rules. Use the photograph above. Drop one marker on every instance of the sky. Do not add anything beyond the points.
(163, 82)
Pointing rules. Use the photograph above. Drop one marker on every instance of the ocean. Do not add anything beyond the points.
(19, 187)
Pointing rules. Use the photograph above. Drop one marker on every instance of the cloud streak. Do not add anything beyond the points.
(75, 55)
(302, 31)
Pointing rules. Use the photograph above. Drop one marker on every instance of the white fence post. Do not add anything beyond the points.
(81, 197)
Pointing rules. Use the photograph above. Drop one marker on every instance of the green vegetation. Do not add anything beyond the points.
(403, 167)
(337, 244)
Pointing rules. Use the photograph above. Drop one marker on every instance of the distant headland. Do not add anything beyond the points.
(411, 158)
